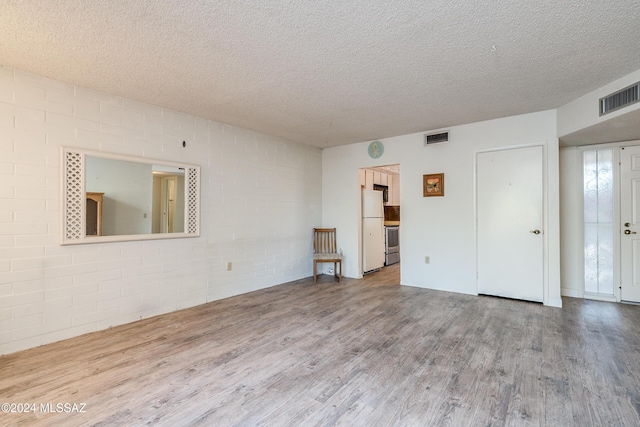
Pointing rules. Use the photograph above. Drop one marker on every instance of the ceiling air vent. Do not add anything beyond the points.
(436, 138)
(619, 99)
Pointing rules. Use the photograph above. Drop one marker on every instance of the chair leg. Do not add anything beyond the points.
(340, 275)
(315, 280)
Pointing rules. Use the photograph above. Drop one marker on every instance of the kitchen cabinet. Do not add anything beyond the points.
(368, 179)
(394, 191)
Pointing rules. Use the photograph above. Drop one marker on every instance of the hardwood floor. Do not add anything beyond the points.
(360, 352)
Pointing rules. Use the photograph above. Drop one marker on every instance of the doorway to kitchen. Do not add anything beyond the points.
(379, 219)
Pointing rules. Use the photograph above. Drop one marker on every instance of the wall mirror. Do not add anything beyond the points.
(108, 198)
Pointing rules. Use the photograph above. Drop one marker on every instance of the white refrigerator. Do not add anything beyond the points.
(372, 230)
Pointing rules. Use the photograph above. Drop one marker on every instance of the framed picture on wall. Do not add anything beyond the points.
(433, 185)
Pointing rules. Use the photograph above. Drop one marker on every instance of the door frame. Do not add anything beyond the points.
(167, 212)
(545, 213)
(362, 181)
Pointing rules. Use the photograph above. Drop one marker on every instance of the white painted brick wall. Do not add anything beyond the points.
(261, 196)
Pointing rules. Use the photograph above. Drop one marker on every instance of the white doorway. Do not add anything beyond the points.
(168, 187)
(510, 219)
(630, 221)
(600, 195)
(168, 211)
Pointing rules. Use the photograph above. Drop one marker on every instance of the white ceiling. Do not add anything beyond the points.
(329, 72)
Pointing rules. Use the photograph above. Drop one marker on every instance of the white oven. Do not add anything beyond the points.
(392, 244)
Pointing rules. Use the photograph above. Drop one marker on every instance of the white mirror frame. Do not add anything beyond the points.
(73, 198)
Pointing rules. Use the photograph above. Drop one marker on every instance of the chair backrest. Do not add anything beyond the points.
(324, 241)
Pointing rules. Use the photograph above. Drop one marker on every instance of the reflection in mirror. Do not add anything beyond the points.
(114, 198)
(167, 200)
(94, 214)
(126, 189)
(137, 198)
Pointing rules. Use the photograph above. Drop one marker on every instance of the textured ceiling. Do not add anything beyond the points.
(329, 72)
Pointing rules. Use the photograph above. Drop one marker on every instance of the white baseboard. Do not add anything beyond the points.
(601, 298)
(573, 293)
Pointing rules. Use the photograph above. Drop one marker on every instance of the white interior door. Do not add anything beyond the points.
(509, 209)
(630, 220)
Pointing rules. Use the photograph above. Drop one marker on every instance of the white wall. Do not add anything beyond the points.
(571, 224)
(583, 112)
(440, 227)
(261, 197)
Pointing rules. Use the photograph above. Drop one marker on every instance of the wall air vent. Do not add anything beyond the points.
(620, 99)
(436, 138)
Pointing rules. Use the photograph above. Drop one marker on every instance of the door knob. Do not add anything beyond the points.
(629, 232)
(535, 232)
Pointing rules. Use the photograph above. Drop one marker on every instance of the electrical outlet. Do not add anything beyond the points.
(427, 260)
(229, 266)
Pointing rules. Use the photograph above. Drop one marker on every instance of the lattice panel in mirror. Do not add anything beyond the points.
(73, 195)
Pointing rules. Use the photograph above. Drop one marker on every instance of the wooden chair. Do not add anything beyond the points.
(325, 250)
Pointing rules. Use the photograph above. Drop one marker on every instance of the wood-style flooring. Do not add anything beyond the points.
(360, 352)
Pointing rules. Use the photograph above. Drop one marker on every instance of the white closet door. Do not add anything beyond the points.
(510, 223)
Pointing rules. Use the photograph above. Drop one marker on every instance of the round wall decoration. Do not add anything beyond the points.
(376, 149)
